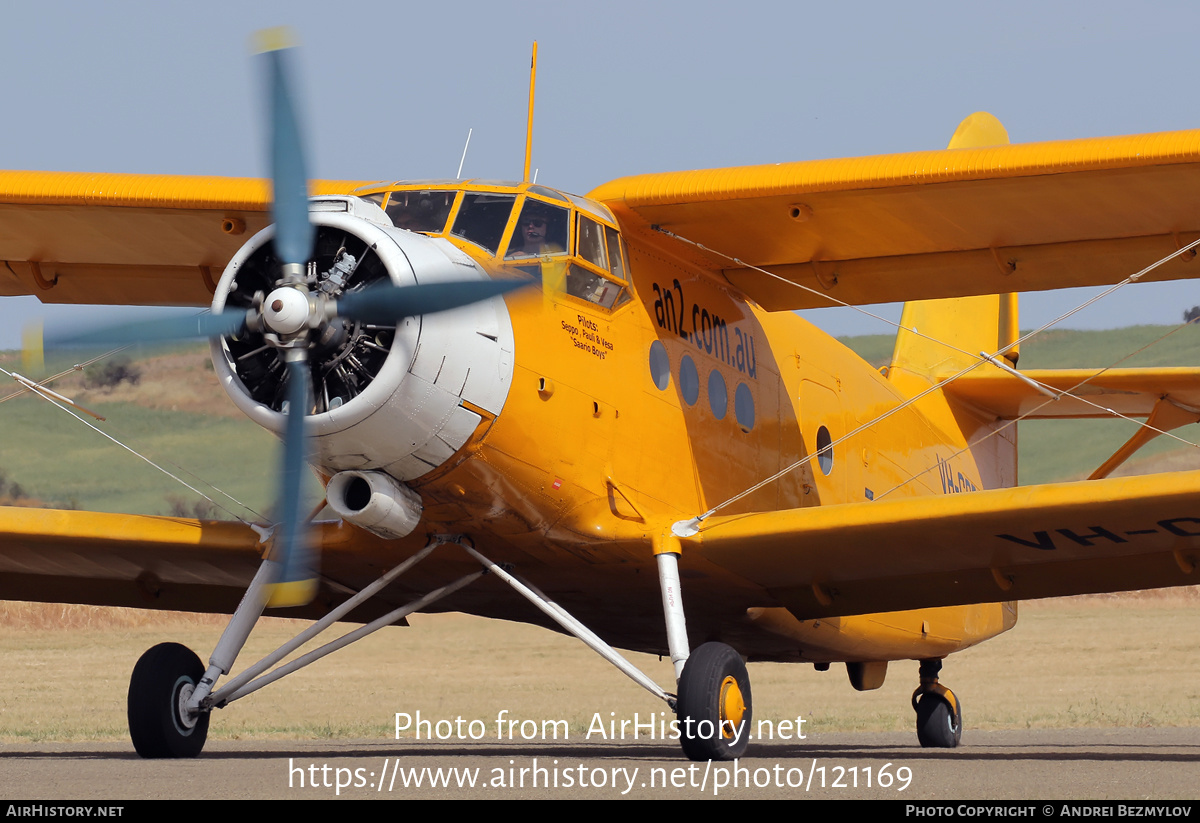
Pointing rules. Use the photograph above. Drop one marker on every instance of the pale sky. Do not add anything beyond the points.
(390, 89)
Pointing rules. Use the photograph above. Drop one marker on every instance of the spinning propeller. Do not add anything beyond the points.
(291, 319)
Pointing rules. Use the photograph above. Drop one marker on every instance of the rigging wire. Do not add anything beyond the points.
(690, 527)
(37, 390)
(1069, 392)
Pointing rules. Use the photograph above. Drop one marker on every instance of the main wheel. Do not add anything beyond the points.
(938, 725)
(162, 681)
(714, 705)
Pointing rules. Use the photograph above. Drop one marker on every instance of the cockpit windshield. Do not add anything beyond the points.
(530, 229)
(483, 217)
(420, 210)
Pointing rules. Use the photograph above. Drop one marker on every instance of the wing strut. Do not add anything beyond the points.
(205, 698)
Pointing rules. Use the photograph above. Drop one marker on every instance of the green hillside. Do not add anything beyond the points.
(1051, 450)
(177, 416)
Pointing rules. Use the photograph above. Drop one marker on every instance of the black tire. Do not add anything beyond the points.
(938, 727)
(155, 724)
(707, 703)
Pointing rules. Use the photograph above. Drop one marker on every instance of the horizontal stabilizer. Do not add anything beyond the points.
(1131, 392)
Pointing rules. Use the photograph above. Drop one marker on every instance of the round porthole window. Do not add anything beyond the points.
(824, 450)
(689, 380)
(743, 407)
(718, 395)
(660, 365)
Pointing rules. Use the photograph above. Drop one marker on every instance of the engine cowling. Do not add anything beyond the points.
(386, 398)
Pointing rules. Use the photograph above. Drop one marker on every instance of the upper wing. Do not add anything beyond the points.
(979, 547)
(930, 224)
(127, 238)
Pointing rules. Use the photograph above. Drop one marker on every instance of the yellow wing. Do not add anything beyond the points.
(169, 563)
(932, 224)
(127, 238)
(980, 547)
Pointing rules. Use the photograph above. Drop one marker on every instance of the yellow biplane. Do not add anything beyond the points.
(645, 446)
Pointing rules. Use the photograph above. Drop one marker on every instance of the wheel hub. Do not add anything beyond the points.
(183, 693)
(733, 707)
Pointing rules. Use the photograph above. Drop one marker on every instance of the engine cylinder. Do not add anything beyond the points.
(388, 398)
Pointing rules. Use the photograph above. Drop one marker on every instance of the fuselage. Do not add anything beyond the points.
(642, 391)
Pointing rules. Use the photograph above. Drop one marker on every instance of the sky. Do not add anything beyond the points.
(389, 91)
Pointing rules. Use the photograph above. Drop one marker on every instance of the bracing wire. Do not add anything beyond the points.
(692, 526)
(37, 390)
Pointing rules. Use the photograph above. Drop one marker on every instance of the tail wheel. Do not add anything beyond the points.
(939, 723)
(715, 704)
(162, 681)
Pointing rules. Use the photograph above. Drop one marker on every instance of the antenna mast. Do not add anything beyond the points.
(529, 125)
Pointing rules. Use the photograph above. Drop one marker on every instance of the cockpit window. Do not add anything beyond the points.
(541, 230)
(591, 287)
(591, 242)
(599, 276)
(482, 218)
(614, 253)
(420, 210)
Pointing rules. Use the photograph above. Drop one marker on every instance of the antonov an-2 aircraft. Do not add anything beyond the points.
(600, 414)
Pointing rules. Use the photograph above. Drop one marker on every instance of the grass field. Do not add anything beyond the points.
(1093, 661)
(1080, 662)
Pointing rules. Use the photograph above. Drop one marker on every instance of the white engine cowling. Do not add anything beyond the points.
(385, 398)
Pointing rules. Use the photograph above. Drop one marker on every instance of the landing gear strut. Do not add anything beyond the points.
(939, 712)
(714, 704)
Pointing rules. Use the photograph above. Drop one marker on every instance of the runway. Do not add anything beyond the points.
(1089, 764)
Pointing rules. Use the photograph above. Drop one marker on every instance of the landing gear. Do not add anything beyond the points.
(714, 704)
(939, 712)
(161, 685)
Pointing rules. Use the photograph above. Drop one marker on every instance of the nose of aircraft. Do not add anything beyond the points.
(400, 398)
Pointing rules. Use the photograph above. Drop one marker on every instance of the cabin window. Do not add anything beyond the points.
(743, 407)
(660, 365)
(718, 395)
(483, 217)
(824, 450)
(424, 211)
(689, 380)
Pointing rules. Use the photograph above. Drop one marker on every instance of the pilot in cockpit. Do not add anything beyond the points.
(541, 229)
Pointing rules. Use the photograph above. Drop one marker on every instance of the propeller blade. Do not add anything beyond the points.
(151, 331)
(294, 234)
(297, 583)
(390, 304)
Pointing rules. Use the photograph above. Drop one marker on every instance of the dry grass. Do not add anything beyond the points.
(181, 381)
(1069, 663)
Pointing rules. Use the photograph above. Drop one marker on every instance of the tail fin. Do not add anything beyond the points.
(969, 324)
(940, 337)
